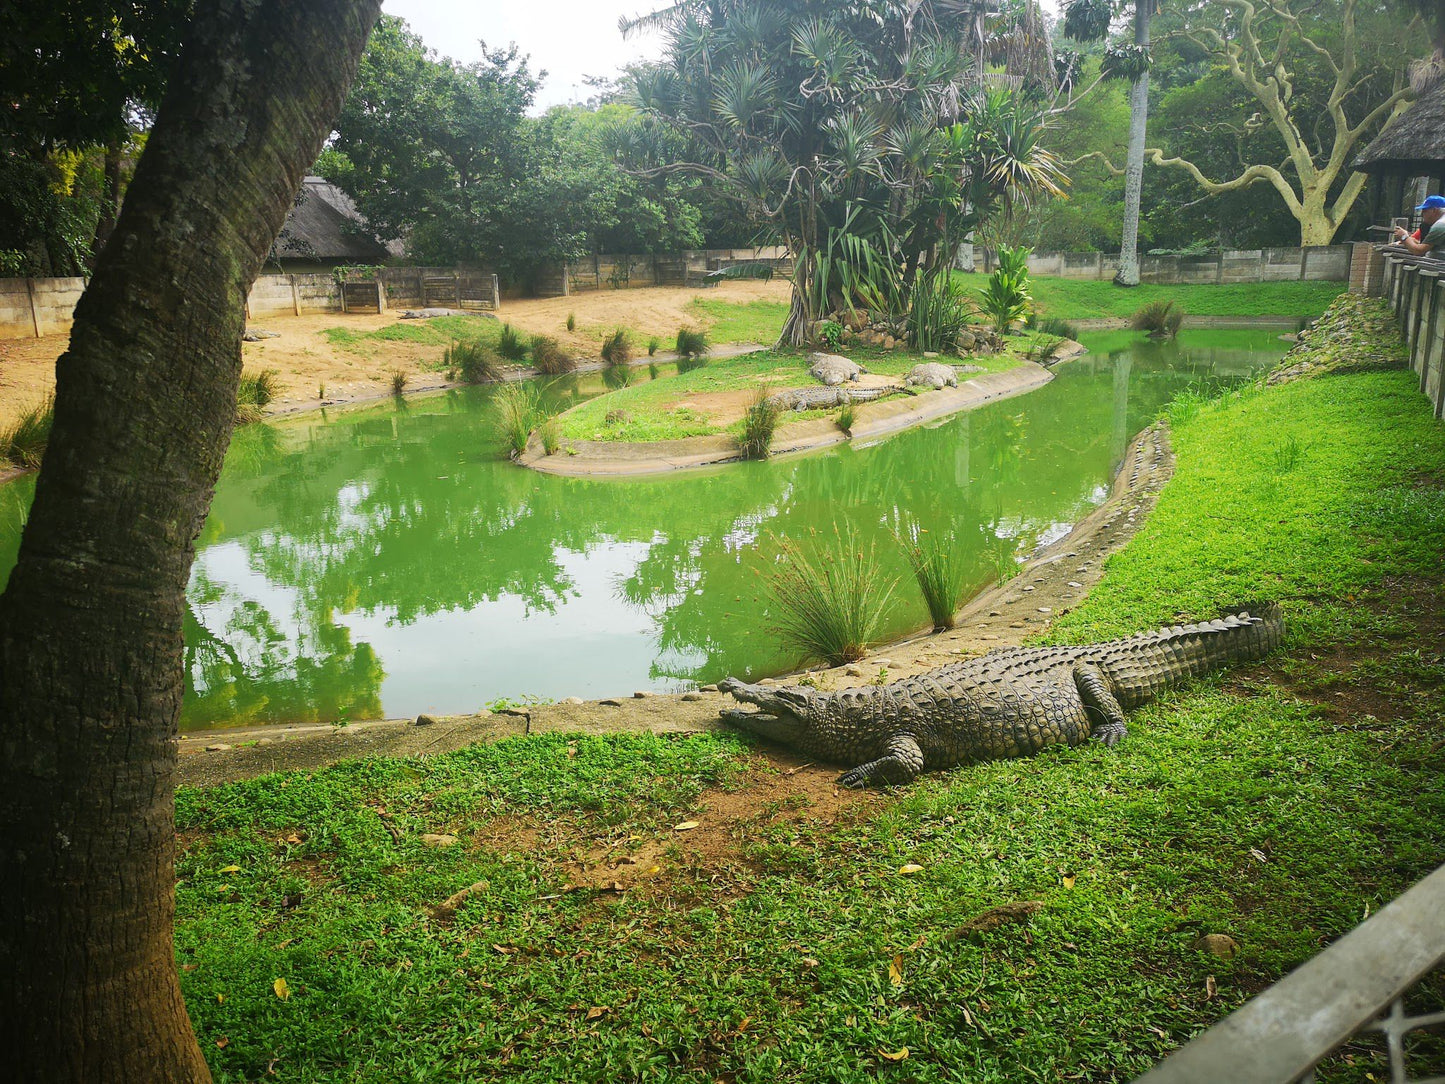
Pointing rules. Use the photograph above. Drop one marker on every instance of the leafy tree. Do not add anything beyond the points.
(92, 618)
(853, 130)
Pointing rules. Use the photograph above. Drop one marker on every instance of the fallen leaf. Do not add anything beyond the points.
(918, 944)
(850, 1020)
(282, 990)
(229, 869)
(222, 1043)
(895, 971)
(742, 1027)
(189, 967)
(596, 1011)
(1210, 989)
(1258, 854)
(1069, 880)
(967, 1016)
(895, 1056)
(911, 868)
(220, 999)
(685, 826)
(505, 950)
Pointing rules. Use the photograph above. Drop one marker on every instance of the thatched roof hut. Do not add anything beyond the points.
(1413, 144)
(324, 227)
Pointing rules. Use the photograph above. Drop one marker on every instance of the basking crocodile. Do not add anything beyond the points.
(1008, 703)
(822, 398)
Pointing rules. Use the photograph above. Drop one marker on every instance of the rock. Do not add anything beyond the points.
(854, 670)
(832, 369)
(847, 336)
(573, 700)
(611, 703)
(219, 747)
(424, 720)
(853, 321)
(1075, 583)
(1218, 944)
(438, 839)
(930, 353)
(965, 341)
(889, 342)
(617, 417)
(880, 662)
(641, 694)
(1067, 349)
(931, 374)
(691, 698)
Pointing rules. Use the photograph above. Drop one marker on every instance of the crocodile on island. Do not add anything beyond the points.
(1007, 703)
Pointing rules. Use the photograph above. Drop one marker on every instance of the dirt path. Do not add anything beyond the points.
(309, 364)
(1053, 582)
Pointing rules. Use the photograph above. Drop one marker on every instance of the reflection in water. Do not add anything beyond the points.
(388, 561)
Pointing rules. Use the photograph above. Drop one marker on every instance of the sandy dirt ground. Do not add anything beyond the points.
(310, 365)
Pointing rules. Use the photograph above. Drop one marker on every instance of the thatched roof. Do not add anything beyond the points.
(1413, 144)
(325, 225)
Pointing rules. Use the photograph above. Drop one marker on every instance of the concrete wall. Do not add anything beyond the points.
(1316, 264)
(31, 307)
(620, 271)
(1417, 293)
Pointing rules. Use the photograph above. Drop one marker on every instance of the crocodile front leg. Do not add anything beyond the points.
(901, 762)
(1099, 700)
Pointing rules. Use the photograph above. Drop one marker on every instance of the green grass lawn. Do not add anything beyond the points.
(1276, 804)
(653, 415)
(741, 321)
(1079, 299)
(439, 331)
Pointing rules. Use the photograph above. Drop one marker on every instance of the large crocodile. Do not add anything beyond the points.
(1008, 703)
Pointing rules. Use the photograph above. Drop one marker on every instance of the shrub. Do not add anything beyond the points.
(938, 312)
(759, 425)
(398, 381)
(829, 602)
(551, 434)
(258, 388)
(1041, 348)
(1005, 298)
(476, 363)
(511, 345)
(571, 321)
(617, 348)
(23, 443)
(517, 409)
(830, 334)
(691, 343)
(940, 568)
(654, 344)
(1052, 325)
(847, 416)
(549, 358)
(1161, 319)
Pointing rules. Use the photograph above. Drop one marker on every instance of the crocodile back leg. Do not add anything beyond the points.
(901, 762)
(1099, 701)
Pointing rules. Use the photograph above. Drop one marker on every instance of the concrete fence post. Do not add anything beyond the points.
(496, 293)
(34, 310)
(380, 295)
(295, 295)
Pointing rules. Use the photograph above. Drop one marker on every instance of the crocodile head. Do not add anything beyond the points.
(783, 713)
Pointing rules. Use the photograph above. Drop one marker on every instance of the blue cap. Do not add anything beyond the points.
(1432, 203)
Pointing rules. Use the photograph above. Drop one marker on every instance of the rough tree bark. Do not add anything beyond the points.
(1128, 274)
(90, 624)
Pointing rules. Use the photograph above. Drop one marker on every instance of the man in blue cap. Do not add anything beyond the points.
(1431, 234)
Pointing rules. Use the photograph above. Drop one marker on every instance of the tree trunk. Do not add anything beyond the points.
(91, 622)
(1134, 168)
(109, 196)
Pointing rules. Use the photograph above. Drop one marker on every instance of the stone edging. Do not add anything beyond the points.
(873, 420)
(1055, 578)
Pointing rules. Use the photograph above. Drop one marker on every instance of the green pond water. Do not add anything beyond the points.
(386, 560)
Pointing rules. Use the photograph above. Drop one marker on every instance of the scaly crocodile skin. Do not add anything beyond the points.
(1008, 703)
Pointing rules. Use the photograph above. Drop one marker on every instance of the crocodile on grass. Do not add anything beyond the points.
(1008, 703)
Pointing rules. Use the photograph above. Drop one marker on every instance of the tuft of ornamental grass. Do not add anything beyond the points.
(571, 321)
(551, 434)
(254, 393)
(617, 348)
(1052, 325)
(1161, 319)
(760, 424)
(829, 600)
(940, 568)
(654, 344)
(691, 342)
(518, 409)
(398, 381)
(23, 443)
(549, 358)
(847, 415)
(511, 345)
(475, 363)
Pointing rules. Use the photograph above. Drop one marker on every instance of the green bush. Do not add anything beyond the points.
(691, 342)
(938, 312)
(1161, 319)
(518, 410)
(474, 362)
(23, 443)
(617, 348)
(511, 345)
(760, 423)
(1052, 325)
(830, 334)
(571, 321)
(256, 391)
(940, 568)
(829, 602)
(549, 357)
(654, 344)
(1005, 299)
(398, 381)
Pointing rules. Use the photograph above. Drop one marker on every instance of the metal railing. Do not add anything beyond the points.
(1356, 986)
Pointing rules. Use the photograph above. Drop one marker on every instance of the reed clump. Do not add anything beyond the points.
(829, 599)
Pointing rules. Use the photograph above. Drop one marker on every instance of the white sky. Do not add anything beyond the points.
(568, 38)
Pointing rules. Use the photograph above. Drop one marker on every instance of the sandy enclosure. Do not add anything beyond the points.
(309, 364)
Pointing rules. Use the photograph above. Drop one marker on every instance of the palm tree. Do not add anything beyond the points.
(1089, 20)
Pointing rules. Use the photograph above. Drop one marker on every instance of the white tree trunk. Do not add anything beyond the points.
(1134, 169)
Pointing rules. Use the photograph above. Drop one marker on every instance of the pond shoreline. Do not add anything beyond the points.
(1055, 579)
(588, 458)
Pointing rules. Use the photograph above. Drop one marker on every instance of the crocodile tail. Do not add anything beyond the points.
(1142, 666)
(1265, 631)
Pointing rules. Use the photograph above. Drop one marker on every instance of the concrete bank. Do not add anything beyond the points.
(873, 420)
(1052, 582)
